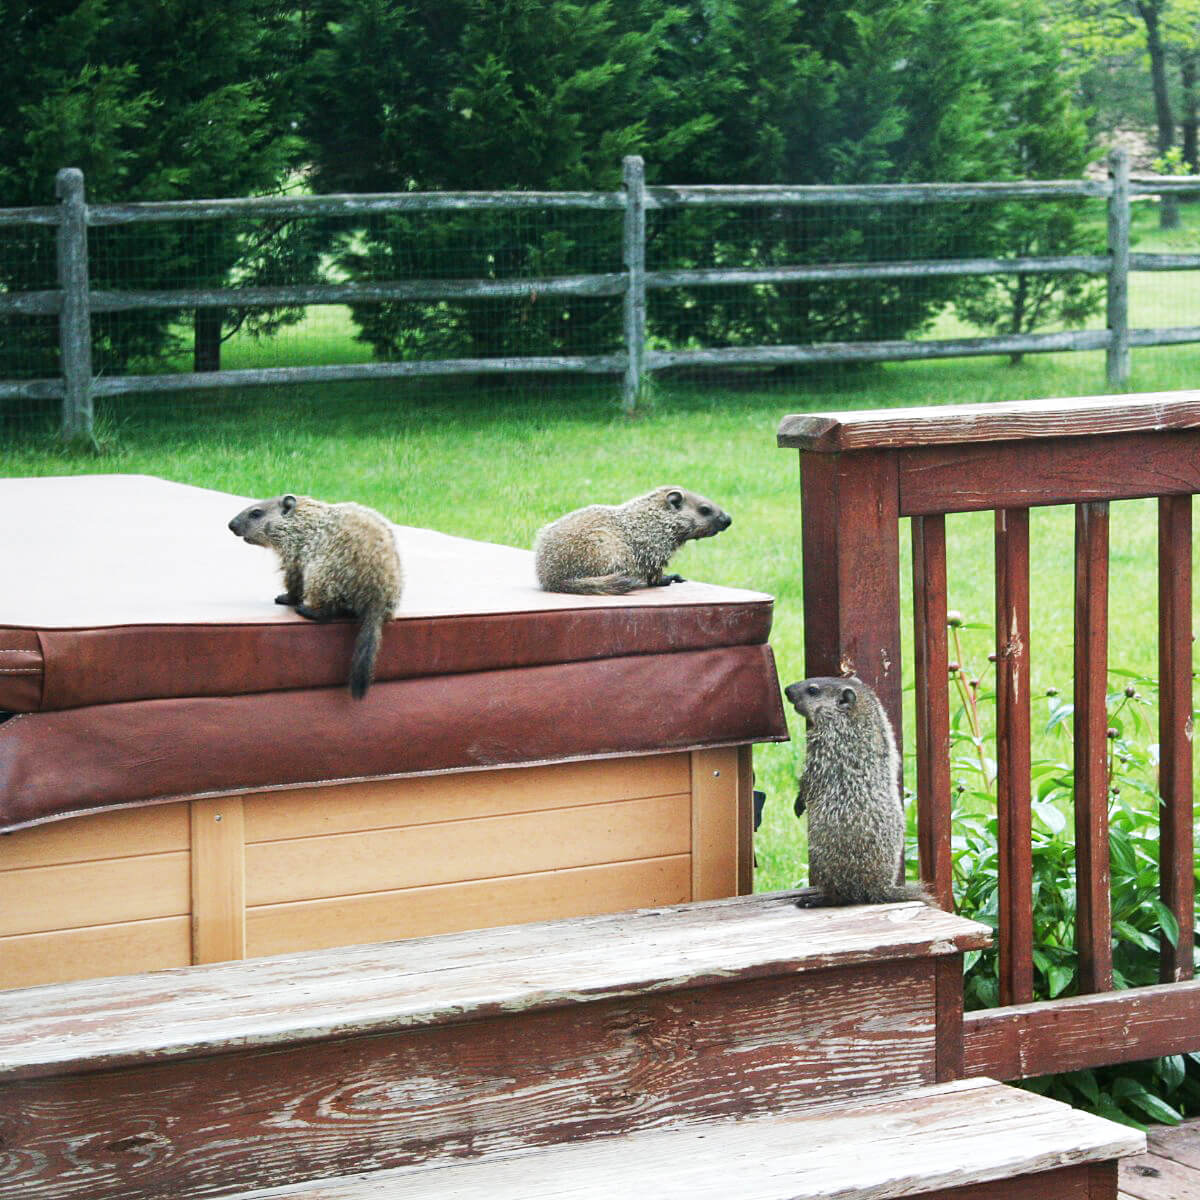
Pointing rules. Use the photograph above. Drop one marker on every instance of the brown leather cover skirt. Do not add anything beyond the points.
(146, 661)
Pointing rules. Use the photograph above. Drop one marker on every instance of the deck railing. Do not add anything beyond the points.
(861, 473)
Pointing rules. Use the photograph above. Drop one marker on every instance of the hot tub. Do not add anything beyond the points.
(184, 777)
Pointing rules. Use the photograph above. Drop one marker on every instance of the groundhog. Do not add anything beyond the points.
(338, 560)
(610, 549)
(851, 791)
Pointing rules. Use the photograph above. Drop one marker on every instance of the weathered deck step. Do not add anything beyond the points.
(973, 1138)
(193, 1082)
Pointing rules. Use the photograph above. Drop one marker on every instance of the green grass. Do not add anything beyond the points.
(493, 464)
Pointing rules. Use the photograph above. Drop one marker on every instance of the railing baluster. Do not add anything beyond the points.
(1093, 905)
(1176, 879)
(1014, 851)
(932, 706)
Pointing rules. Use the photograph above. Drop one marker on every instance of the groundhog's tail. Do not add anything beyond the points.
(913, 891)
(598, 585)
(366, 647)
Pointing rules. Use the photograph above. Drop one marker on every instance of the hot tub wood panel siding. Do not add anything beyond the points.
(137, 889)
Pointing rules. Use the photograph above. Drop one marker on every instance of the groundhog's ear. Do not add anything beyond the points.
(675, 499)
(287, 503)
(848, 697)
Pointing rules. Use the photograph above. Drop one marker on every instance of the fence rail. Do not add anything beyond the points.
(74, 303)
(861, 473)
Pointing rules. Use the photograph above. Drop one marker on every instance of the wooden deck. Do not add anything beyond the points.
(1169, 1170)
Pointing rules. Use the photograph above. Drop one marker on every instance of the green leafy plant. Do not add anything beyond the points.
(1160, 1090)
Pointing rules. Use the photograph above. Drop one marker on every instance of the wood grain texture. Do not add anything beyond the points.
(1153, 1177)
(852, 572)
(218, 872)
(1056, 471)
(130, 300)
(899, 350)
(347, 205)
(714, 846)
(1049, 1036)
(1093, 264)
(1093, 906)
(745, 831)
(477, 904)
(74, 895)
(119, 834)
(382, 804)
(1018, 420)
(633, 254)
(265, 1117)
(1117, 290)
(74, 318)
(1013, 757)
(974, 1139)
(438, 980)
(123, 385)
(948, 980)
(932, 705)
(94, 952)
(1177, 882)
(871, 193)
(1180, 1143)
(516, 844)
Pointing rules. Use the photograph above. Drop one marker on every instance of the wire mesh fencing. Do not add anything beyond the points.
(193, 310)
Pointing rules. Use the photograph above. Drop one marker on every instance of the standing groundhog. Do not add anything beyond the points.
(610, 549)
(851, 790)
(338, 560)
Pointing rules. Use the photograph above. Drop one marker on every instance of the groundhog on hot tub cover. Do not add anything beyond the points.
(610, 549)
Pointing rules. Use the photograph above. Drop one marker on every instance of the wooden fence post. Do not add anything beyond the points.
(633, 170)
(1118, 272)
(74, 320)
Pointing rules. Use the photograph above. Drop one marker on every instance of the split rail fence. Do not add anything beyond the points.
(861, 473)
(74, 302)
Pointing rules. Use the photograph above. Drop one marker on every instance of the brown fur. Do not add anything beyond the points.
(338, 560)
(610, 549)
(851, 791)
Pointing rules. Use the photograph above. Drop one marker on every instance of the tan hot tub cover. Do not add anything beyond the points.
(146, 661)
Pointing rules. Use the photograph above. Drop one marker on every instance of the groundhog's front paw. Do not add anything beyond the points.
(665, 580)
(284, 598)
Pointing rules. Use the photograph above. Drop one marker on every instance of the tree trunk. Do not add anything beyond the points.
(1164, 119)
(206, 346)
(1191, 113)
(1018, 316)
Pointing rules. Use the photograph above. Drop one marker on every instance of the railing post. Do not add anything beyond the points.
(1118, 271)
(850, 527)
(74, 320)
(633, 170)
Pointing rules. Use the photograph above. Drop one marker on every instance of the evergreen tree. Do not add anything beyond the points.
(1044, 136)
(160, 102)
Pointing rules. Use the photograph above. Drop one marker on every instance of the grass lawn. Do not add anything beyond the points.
(496, 464)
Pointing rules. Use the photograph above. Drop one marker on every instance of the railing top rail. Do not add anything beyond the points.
(873, 193)
(334, 205)
(898, 428)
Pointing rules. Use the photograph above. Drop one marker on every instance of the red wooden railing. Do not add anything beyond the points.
(861, 473)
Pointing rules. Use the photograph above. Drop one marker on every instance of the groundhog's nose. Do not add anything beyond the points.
(792, 692)
(726, 521)
(233, 525)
